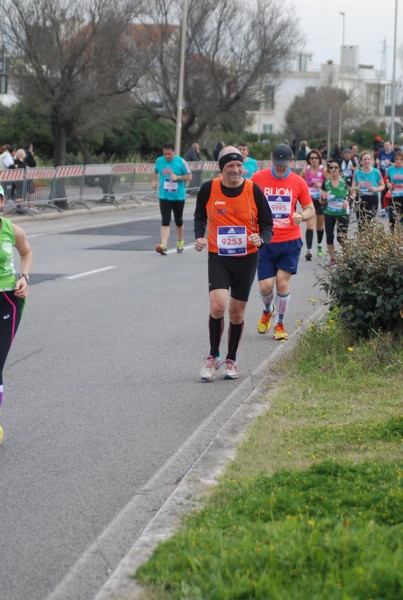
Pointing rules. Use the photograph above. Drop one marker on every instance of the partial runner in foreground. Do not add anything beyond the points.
(279, 259)
(13, 289)
(239, 221)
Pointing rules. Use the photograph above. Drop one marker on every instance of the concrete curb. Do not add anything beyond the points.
(199, 480)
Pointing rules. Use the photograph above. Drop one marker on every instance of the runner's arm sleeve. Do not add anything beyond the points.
(264, 215)
(200, 214)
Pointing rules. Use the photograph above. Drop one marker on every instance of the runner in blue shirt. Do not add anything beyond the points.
(250, 165)
(395, 184)
(368, 182)
(170, 175)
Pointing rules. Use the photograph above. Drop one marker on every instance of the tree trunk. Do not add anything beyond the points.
(59, 144)
(58, 191)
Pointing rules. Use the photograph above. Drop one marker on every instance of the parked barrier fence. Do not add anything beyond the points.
(32, 190)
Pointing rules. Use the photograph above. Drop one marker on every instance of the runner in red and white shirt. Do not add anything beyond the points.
(279, 259)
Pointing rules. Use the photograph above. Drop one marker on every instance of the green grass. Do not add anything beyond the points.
(311, 508)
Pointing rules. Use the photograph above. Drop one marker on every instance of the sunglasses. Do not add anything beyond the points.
(333, 168)
(314, 158)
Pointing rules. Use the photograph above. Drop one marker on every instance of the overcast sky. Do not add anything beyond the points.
(367, 23)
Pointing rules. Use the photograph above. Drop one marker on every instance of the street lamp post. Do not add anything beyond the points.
(341, 73)
(179, 105)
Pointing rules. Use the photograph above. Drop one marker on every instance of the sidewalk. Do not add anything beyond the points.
(198, 481)
(97, 208)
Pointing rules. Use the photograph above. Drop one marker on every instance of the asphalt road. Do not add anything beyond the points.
(103, 412)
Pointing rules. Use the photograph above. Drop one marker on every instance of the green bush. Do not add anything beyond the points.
(366, 284)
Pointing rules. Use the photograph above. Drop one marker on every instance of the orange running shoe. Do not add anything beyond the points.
(263, 325)
(279, 333)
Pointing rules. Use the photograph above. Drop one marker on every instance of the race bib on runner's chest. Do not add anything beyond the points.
(231, 240)
(397, 189)
(334, 204)
(314, 192)
(280, 207)
(170, 186)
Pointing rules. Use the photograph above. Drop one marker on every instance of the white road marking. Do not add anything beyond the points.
(90, 272)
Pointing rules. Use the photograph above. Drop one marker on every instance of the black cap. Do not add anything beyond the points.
(282, 155)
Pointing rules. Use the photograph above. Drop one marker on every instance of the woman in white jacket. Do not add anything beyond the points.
(7, 157)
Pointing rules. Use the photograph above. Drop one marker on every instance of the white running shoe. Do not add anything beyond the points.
(210, 367)
(230, 369)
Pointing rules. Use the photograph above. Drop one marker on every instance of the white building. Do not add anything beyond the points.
(360, 81)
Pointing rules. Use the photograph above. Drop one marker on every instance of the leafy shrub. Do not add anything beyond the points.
(367, 282)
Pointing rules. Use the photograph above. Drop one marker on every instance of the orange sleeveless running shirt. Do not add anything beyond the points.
(231, 221)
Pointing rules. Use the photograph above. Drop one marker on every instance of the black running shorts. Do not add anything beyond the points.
(235, 272)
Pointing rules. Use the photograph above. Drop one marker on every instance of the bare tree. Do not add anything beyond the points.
(79, 59)
(317, 111)
(232, 46)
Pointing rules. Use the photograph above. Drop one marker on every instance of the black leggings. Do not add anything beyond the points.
(10, 317)
(367, 207)
(177, 206)
(341, 224)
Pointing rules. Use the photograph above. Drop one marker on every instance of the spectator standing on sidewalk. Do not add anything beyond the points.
(31, 163)
(239, 221)
(278, 261)
(250, 165)
(217, 149)
(29, 155)
(303, 150)
(193, 154)
(13, 289)
(7, 153)
(19, 163)
(314, 175)
(170, 175)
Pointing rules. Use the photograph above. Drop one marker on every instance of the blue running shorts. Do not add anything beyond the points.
(278, 255)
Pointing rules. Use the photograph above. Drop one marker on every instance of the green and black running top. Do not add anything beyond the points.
(335, 199)
(7, 244)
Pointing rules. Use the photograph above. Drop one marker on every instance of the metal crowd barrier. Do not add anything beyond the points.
(32, 190)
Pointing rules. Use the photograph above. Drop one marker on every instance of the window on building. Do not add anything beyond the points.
(302, 61)
(267, 128)
(268, 97)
